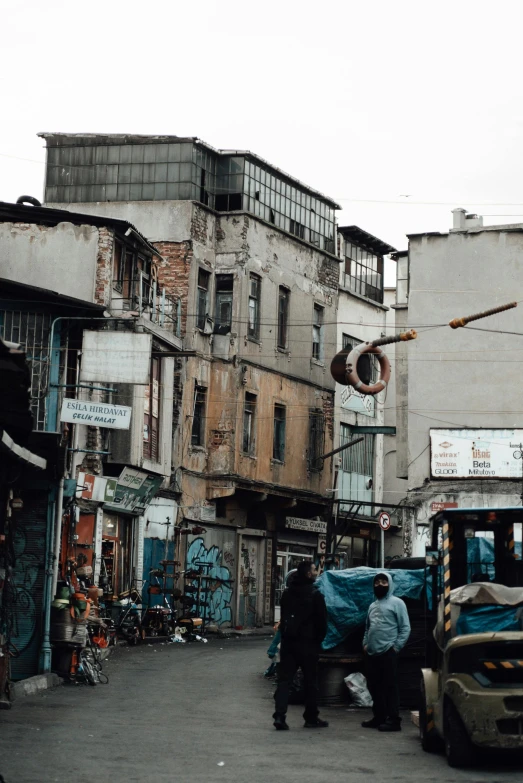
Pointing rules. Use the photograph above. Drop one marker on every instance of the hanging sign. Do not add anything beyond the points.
(96, 414)
(312, 525)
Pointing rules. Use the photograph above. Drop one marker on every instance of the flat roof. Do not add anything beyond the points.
(49, 216)
(362, 237)
(12, 288)
(95, 139)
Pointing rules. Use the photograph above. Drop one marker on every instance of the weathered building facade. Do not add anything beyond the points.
(362, 316)
(250, 251)
(458, 409)
(80, 295)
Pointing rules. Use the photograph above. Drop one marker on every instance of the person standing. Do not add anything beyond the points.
(386, 632)
(303, 627)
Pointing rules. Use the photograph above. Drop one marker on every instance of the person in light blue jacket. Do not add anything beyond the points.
(387, 630)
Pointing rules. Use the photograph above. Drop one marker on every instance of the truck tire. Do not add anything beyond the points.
(430, 742)
(458, 747)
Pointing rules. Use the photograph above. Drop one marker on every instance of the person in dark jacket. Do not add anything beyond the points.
(303, 627)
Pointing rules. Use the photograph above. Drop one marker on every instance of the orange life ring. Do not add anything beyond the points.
(352, 374)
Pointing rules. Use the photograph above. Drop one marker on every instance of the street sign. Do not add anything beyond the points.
(384, 520)
(96, 414)
(322, 544)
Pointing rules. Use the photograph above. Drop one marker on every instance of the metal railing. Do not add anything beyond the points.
(150, 301)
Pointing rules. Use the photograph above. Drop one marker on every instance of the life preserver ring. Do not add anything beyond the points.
(352, 374)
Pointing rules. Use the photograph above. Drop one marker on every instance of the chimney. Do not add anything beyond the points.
(462, 221)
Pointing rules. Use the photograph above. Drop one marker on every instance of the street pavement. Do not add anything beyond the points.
(202, 713)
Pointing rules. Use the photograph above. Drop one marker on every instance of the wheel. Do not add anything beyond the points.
(458, 747)
(430, 742)
(88, 671)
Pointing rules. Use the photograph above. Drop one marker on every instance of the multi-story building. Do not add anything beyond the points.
(362, 317)
(458, 403)
(81, 296)
(251, 252)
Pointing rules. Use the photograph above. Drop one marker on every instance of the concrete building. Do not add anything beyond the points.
(81, 296)
(363, 315)
(459, 416)
(250, 251)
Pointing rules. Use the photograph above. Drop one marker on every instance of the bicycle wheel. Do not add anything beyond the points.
(87, 669)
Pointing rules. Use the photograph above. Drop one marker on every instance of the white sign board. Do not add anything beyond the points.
(116, 357)
(96, 414)
(469, 454)
(312, 525)
(353, 400)
(322, 544)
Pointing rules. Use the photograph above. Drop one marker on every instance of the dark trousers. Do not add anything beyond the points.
(382, 679)
(292, 657)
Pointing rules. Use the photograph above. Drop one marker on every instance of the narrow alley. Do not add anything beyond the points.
(193, 713)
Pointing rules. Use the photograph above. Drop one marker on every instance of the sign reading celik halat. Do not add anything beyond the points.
(96, 414)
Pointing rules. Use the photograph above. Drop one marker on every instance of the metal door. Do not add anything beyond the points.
(250, 587)
(28, 526)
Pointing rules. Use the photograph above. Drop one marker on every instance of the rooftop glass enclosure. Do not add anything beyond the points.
(84, 169)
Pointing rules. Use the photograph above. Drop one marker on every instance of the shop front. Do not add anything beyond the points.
(300, 539)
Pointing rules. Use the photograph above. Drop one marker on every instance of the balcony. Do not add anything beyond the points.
(149, 301)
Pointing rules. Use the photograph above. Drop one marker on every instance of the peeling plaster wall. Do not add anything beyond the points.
(60, 258)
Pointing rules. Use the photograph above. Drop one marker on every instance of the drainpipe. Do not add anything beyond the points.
(57, 535)
(46, 650)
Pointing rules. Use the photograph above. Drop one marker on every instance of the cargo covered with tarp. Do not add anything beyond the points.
(349, 593)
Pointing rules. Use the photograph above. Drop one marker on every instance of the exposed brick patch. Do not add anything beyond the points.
(328, 273)
(199, 224)
(104, 268)
(174, 271)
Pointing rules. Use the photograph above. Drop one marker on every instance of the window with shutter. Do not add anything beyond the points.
(151, 426)
(278, 449)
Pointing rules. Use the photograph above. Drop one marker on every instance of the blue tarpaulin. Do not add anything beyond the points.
(481, 619)
(349, 593)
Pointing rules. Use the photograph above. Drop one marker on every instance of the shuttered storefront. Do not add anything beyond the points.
(28, 527)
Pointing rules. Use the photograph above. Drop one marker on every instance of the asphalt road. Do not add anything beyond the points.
(202, 713)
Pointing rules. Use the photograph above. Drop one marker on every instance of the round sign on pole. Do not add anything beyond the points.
(384, 520)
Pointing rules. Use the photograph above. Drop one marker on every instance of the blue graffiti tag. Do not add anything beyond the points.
(216, 594)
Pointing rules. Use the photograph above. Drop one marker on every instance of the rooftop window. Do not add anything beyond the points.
(363, 272)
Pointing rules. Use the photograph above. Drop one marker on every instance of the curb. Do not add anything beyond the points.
(32, 685)
(254, 633)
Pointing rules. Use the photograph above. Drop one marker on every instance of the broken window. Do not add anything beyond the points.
(253, 329)
(316, 439)
(283, 316)
(278, 448)
(202, 306)
(198, 422)
(223, 311)
(249, 413)
(297, 229)
(317, 333)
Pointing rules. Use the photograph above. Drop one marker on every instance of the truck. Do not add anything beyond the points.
(472, 689)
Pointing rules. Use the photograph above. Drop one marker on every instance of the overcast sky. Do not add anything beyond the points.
(368, 102)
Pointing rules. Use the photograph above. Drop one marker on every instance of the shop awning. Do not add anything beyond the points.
(19, 453)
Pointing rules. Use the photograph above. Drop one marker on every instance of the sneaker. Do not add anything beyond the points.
(373, 723)
(315, 724)
(280, 724)
(390, 726)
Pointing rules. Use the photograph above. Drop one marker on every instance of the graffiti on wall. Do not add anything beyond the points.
(218, 565)
(24, 578)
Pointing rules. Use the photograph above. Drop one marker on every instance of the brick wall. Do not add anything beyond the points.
(104, 268)
(329, 273)
(174, 270)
